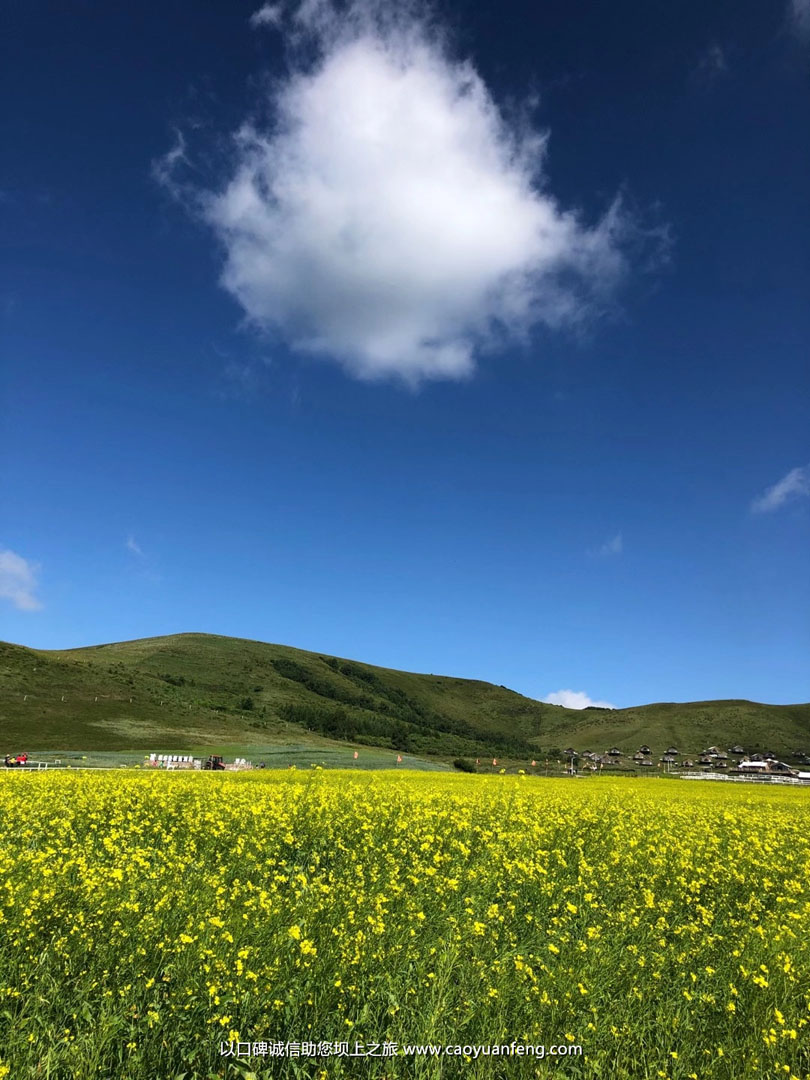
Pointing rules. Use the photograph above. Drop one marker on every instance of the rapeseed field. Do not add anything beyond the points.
(193, 926)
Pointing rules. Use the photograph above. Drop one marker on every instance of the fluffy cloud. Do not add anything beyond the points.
(575, 699)
(795, 485)
(390, 217)
(18, 581)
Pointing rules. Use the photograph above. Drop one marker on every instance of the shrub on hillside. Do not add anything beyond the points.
(463, 765)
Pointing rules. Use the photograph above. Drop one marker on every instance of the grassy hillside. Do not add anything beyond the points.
(690, 727)
(189, 691)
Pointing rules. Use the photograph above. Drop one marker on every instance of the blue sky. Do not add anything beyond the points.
(467, 341)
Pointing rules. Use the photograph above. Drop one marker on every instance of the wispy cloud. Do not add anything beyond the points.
(392, 218)
(133, 546)
(611, 547)
(142, 565)
(268, 15)
(165, 168)
(795, 485)
(713, 64)
(575, 699)
(799, 18)
(18, 581)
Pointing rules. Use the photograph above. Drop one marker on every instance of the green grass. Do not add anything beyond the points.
(188, 692)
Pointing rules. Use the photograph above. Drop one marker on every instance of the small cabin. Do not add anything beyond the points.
(781, 768)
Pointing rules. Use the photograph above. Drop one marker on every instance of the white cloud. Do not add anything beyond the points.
(613, 546)
(391, 218)
(795, 485)
(575, 699)
(18, 581)
(133, 546)
(268, 15)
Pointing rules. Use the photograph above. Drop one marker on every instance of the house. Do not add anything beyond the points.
(781, 768)
(689, 764)
(668, 759)
(766, 769)
(638, 756)
(646, 762)
(673, 750)
(615, 751)
(570, 752)
(644, 750)
(736, 749)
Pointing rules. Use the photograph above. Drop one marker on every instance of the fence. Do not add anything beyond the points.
(770, 779)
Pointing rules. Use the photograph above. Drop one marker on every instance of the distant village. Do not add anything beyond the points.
(734, 762)
(711, 764)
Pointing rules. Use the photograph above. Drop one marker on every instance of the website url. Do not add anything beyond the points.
(469, 1051)
(476, 1050)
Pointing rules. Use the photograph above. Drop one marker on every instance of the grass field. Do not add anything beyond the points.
(301, 755)
(149, 921)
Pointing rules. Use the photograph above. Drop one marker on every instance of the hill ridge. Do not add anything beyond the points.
(195, 688)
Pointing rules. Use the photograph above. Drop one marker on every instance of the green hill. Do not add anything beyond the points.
(192, 690)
